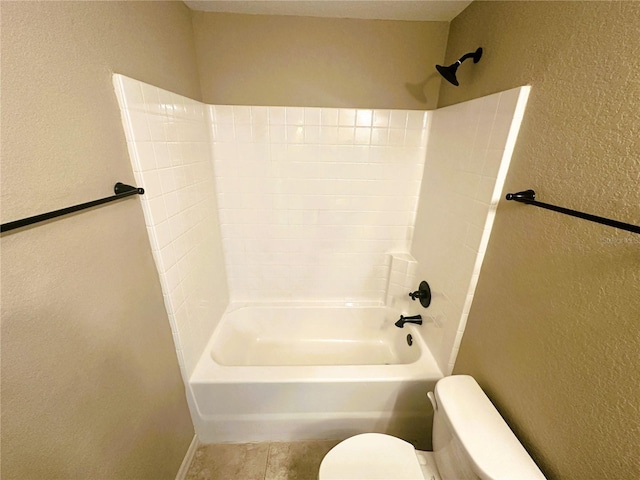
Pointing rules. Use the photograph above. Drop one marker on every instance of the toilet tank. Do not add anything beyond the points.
(470, 438)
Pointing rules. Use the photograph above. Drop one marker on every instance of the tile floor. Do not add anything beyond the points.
(259, 461)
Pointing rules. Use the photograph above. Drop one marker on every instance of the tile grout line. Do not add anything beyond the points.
(266, 464)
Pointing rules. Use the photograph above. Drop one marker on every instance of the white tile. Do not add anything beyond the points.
(362, 136)
(329, 135)
(485, 190)
(312, 134)
(295, 134)
(146, 156)
(132, 92)
(381, 118)
(295, 116)
(416, 120)
(502, 121)
(162, 234)
(139, 126)
(167, 180)
(413, 138)
(243, 132)
(260, 133)
(171, 203)
(277, 116)
(152, 102)
(277, 133)
(346, 135)
(398, 119)
(347, 117)
(161, 155)
(396, 137)
(223, 114)
(178, 225)
(165, 99)
(168, 257)
(151, 184)
(399, 266)
(241, 115)
(172, 280)
(259, 116)
(157, 210)
(364, 118)
(473, 236)
(157, 128)
(313, 116)
(492, 161)
(225, 133)
(329, 117)
(379, 136)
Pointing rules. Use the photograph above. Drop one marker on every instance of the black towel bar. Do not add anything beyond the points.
(120, 189)
(529, 197)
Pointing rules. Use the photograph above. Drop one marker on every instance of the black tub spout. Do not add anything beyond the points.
(417, 319)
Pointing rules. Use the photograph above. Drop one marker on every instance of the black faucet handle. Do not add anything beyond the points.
(414, 317)
(423, 294)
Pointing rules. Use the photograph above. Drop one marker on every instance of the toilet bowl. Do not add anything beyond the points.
(470, 441)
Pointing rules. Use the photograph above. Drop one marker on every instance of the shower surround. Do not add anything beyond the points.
(312, 200)
(288, 208)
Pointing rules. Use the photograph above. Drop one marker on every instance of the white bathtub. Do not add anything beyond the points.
(274, 373)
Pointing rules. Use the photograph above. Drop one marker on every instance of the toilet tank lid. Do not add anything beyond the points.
(494, 451)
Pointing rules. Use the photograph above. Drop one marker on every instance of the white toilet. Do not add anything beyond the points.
(470, 441)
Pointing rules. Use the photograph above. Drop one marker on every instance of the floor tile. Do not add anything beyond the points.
(297, 460)
(245, 461)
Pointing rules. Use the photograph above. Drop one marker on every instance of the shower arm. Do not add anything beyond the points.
(465, 57)
(476, 56)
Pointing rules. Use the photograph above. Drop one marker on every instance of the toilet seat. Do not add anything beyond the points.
(371, 456)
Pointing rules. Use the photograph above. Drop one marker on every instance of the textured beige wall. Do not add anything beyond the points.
(554, 331)
(90, 381)
(317, 62)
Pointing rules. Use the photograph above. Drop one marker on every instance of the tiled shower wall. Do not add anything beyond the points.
(468, 156)
(308, 204)
(168, 140)
(312, 200)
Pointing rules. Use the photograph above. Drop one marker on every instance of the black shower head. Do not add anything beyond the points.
(449, 73)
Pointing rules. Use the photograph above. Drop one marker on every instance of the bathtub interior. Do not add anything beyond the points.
(267, 336)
